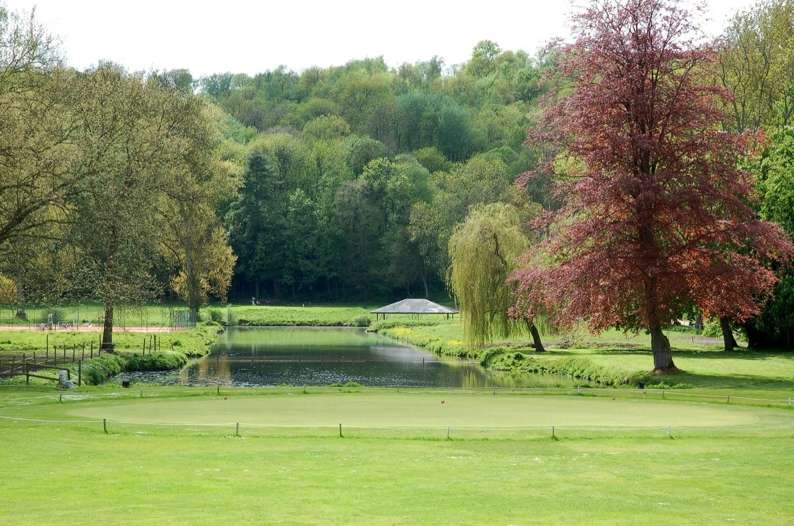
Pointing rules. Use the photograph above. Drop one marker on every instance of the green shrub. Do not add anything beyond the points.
(712, 328)
(574, 367)
(101, 369)
(215, 315)
(360, 321)
(162, 361)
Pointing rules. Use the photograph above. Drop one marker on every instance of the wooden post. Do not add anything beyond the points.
(237, 430)
(80, 373)
(144, 345)
(105, 425)
(92, 349)
(340, 431)
(74, 350)
(27, 373)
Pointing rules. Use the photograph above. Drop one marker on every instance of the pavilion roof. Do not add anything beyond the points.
(414, 306)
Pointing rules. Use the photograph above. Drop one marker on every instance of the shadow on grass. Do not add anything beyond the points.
(735, 381)
(715, 380)
(743, 354)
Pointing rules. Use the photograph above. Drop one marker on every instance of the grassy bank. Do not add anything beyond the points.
(610, 359)
(174, 350)
(288, 476)
(290, 315)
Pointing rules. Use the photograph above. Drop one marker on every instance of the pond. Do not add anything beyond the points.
(324, 356)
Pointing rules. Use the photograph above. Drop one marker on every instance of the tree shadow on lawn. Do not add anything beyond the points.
(735, 381)
(714, 380)
(743, 354)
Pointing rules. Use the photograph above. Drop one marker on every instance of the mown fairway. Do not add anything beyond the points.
(737, 470)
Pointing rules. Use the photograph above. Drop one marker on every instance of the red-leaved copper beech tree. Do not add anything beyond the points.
(657, 217)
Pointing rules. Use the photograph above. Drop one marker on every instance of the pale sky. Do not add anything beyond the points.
(249, 37)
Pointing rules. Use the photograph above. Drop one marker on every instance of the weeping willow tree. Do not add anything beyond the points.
(483, 251)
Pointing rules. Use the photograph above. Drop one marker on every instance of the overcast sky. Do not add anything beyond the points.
(252, 36)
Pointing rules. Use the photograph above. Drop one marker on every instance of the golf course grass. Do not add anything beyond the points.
(426, 410)
(58, 466)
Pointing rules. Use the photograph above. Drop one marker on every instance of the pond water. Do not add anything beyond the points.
(322, 356)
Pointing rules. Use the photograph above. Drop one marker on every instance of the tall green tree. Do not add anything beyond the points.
(143, 129)
(483, 252)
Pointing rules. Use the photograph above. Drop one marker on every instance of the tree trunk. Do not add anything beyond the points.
(107, 328)
(662, 354)
(727, 334)
(533, 330)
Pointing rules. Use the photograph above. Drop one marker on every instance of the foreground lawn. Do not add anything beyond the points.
(64, 473)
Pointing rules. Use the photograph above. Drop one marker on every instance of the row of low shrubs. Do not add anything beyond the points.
(574, 367)
(404, 332)
(514, 361)
(101, 369)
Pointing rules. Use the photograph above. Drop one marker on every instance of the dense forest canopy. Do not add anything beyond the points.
(328, 184)
(355, 176)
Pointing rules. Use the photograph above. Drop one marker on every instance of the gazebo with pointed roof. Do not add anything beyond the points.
(413, 306)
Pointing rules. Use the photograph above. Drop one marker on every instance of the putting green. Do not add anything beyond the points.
(417, 410)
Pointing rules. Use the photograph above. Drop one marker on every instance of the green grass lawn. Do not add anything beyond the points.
(737, 470)
(703, 361)
(315, 315)
(18, 342)
(82, 313)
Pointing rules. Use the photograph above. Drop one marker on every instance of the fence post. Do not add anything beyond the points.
(237, 430)
(340, 431)
(80, 373)
(105, 425)
(27, 373)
